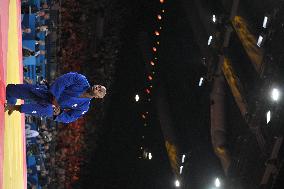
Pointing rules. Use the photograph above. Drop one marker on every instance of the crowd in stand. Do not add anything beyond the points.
(40, 133)
(81, 48)
(34, 21)
(40, 146)
(88, 39)
(70, 142)
(94, 27)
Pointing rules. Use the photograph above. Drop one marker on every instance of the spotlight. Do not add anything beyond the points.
(268, 117)
(137, 98)
(177, 183)
(183, 158)
(209, 40)
(200, 82)
(264, 25)
(275, 94)
(150, 156)
(180, 169)
(217, 183)
(214, 18)
(259, 41)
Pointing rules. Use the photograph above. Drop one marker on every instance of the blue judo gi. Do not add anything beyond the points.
(66, 90)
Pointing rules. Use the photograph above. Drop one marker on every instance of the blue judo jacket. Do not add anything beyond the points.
(67, 90)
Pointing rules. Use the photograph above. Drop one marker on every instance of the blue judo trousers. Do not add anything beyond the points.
(66, 90)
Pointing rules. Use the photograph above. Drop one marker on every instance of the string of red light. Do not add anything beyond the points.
(150, 76)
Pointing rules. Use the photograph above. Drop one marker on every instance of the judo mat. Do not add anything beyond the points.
(13, 173)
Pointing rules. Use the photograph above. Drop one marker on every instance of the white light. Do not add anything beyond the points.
(200, 81)
(183, 158)
(275, 94)
(180, 169)
(259, 41)
(265, 22)
(150, 156)
(268, 117)
(177, 183)
(209, 39)
(217, 183)
(145, 154)
(137, 98)
(214, 18)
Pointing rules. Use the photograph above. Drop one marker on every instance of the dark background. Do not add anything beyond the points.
(115, 162)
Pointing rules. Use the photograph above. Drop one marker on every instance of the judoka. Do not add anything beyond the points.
(67, 99)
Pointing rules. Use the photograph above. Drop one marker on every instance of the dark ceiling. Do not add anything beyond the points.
(116, 162)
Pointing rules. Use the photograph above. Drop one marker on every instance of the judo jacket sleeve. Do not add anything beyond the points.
(70, 116)
(65, 81)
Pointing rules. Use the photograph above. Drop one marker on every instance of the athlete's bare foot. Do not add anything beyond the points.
(10, 108)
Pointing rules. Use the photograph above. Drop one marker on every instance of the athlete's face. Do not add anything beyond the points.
(98, 91)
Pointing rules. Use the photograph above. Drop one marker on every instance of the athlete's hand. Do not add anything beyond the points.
(56, 110)
(55, 103)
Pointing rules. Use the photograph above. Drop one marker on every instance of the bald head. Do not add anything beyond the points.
(99, 91)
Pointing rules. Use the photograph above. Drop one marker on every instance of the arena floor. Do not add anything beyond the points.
(12, 129)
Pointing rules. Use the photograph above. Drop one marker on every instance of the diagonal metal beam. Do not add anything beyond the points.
(235, 86)
(249, 43)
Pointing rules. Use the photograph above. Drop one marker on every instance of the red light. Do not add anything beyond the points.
(157, 33)
(154, 49)
(143, 116)
(152, 63)
(159, 17)
(148, 91)
(162, 1)
(150, 78)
